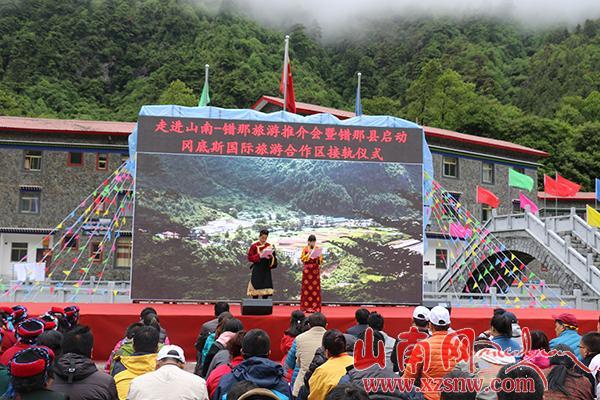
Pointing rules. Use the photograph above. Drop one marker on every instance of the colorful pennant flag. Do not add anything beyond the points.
(484, 196)
(519, 180)
(593, 216)
(525, 202)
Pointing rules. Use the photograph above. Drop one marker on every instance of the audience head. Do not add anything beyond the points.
(375, 321)
(244, 390)
(19, 314)
(220, 308)
(132, 329)
(439, 319)
(501, 325)
(563, 322)
(50, 322)
(232, 325)
(170, 355)
(562, 366)
(151, 319)
(539, 341)
(296, 323)
(590, 344)
(234, 346)
(52, 340)
(221, 322)
(256, 343)
(146, 311)
(145, 340)
(421, 317)
(456, 380)
(347, 391)
(71, 316)
(362, 316)
(521, 372)
(317, 319)
(377, 337)
(29, 330)
(79, 340)
(31, 369)
(334, 343)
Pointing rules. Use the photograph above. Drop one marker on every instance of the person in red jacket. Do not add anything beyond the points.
(6, 331)
(234, 346)
(27, 333)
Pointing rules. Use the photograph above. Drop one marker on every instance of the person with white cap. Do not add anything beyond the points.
(433, 352)
(421, 322)
(170, 380)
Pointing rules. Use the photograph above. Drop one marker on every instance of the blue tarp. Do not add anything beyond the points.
(283, 116)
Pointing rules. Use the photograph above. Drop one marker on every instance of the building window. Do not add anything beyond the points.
(18, 252)
(33, 161)
(450, 167)
(101, 161)
(441, 259)
(70, 242)
(29, 201)
(95, 252)
(123, 259)
(486, 212)
(487, 172)
(75, 159)
(516, 203)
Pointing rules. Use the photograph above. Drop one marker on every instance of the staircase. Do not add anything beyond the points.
(567, 244)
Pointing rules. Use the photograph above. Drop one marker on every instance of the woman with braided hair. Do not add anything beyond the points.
(31, 375)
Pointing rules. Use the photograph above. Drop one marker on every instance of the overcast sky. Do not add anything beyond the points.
(336, 16)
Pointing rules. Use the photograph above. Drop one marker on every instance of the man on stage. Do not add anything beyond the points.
(262, 256)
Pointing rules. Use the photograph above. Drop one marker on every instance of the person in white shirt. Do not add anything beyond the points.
(169, 381)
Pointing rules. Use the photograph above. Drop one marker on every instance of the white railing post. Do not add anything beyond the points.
(567, 244)
(493, 295)
(577, 294)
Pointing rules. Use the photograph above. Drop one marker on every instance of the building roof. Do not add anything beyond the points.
(305, 108)
(580, 196)
(69, 126)
(302, 108)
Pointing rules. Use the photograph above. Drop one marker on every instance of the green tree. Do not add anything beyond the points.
(179, 94)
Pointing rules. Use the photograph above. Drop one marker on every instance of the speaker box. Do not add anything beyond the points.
(257, 306)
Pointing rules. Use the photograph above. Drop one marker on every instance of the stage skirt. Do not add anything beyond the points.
(310, 297)
(261, 282)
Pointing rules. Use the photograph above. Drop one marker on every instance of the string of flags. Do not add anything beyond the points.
(479, 261)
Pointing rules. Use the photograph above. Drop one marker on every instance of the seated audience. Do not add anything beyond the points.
(589, 347)
(328, 375)
(565, 380)
(26, 333)
(347, 392)
(210, 340)
(538, 355)
(501, 333)
(362, 316)
(376, 322)
(169, 381)
(143, 360)
(52, 340)
(307, 344)
(230, 328)
(565, 326)
(207, 328)
(76, 373)
(31, 375)
(124, 347)
(256, 367)
(521, 372)
(456, 386)
(234, 348)
(296, 327)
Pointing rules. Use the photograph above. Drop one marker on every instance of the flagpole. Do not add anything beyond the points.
(358, 93)
(206, 74)
(556, 196)
(285, 70)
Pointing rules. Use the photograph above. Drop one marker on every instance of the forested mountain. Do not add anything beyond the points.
(103, 59)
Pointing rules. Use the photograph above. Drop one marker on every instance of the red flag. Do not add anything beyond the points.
(573, 187)
(555, 188)
(486, 197)
(290, 100)
(286, 87)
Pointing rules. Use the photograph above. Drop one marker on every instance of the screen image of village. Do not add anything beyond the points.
(196, 216)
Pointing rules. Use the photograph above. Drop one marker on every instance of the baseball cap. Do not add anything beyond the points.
(567, 319)
(171, 351)
(439, 316)
(421, 313)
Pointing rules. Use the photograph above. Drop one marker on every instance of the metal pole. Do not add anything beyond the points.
(285, 70)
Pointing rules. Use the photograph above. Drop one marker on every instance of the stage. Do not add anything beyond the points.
(183, 321)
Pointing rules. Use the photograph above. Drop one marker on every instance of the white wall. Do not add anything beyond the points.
(430, 272)
(6, 240)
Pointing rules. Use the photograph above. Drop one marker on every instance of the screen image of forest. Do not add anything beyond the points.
(196, 217)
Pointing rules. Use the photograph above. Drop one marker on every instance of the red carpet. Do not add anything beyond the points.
(183, 321)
